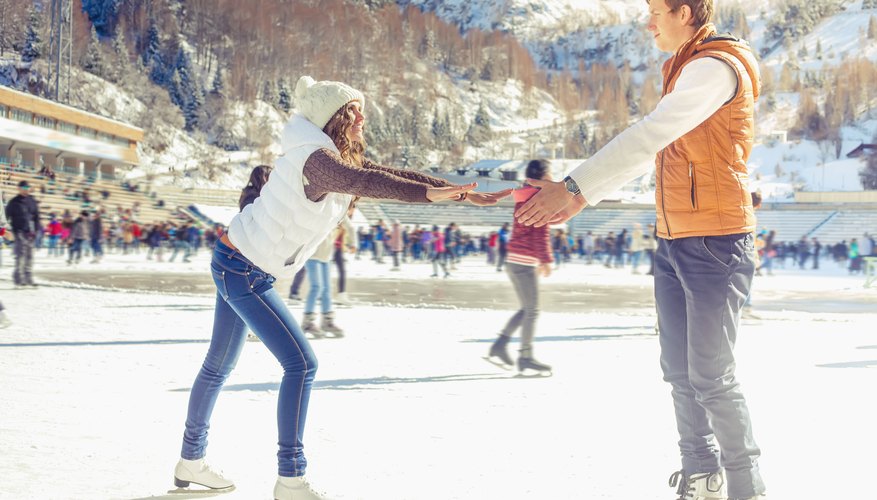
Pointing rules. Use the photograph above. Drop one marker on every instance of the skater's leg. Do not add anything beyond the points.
(525, 281)
(338, 257)
(700, 453)
(271, 320)
(314, 277)
(225, 348)
(297, 281)
(716, 273)
(325, 287)
(260, 306)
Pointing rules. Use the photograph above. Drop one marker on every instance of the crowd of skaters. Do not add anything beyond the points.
(90, 234)
(93, 234)
(808, 253)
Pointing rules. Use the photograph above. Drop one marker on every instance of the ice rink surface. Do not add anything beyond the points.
(95, 376)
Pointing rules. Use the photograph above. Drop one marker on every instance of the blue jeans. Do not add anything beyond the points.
(246, 299)
(318, 274)
(96, 247)
(701, 284)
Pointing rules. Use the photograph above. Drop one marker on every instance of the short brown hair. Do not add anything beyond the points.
(701, 10)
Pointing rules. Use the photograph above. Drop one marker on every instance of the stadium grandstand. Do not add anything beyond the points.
(72, 159)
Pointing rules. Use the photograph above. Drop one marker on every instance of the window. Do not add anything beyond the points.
(22, 116)
(67, 127)
(43, 121)
(103, 137)
(121, 141)
(2, 111)
(88, 132)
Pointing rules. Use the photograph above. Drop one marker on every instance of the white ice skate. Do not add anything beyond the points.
(342, 299)
(705, 486)
(295, 488)
(198, 472)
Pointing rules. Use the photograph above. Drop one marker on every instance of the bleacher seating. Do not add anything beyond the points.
(791, 225)
(830, 224)
(52, 197)
(848, 224)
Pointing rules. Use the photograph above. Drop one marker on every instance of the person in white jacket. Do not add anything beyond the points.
(310, 189)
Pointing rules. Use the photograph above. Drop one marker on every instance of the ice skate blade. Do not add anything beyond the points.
(530, 373)
(497, 362)
(205, 491)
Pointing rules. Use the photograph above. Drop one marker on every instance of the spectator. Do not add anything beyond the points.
(23, 213)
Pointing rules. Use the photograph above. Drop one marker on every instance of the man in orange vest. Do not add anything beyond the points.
(699, 138)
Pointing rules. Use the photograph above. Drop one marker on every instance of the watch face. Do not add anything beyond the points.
(571, 186)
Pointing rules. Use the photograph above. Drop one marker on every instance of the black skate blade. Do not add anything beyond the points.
(497, 362)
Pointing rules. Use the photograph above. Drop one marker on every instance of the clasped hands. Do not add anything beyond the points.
(465, 193)
(553, 204)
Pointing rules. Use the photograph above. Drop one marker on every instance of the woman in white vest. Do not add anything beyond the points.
(312, 185)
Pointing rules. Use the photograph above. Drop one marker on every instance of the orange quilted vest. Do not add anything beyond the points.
(702, 180)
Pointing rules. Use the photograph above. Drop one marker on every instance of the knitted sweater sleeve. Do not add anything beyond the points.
(326, 172)
(408, 174)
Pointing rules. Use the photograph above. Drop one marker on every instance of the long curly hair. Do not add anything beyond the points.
(258, 178)
(336, 129)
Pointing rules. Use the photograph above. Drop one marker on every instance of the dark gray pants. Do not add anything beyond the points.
(701, 284)
(525, 279)
(23, 250)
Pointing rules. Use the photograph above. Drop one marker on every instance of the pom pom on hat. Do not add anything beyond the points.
(318, 101)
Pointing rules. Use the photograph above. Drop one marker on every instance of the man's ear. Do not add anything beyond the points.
(685, 14)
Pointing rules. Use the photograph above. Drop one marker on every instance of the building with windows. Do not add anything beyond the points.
(36, 133)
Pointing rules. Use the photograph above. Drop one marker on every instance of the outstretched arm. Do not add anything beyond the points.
(326, 172)
(702, 88)
(477, 199)
(408, 174)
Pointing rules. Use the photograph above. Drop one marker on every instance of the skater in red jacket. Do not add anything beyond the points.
(529, 255)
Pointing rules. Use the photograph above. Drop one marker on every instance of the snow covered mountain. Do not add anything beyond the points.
(801, 41)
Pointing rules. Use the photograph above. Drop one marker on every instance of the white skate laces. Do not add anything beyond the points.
(702, 486)
(295, 488)
(199, 472)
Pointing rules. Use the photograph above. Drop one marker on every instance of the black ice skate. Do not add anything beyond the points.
(527, 366)
(499, 354)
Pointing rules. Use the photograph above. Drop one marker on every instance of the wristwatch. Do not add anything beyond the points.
(571, 186)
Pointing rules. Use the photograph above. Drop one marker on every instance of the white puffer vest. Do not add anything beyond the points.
(282, 228)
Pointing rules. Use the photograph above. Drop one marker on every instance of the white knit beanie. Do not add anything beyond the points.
(318, 101)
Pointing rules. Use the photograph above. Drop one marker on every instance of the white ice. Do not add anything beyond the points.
(94, 385)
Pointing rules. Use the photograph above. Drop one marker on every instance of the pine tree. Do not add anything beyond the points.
(487, 70)
(868, 175)
(93, 60)
(872, 28)
(284, 95)
(102, 13)
(189, 95)
(121, 65)
(479, 132)
(217, 87)
(441, 132)
(418, 128)
(33, 42)
(269, 92)
(152, 57)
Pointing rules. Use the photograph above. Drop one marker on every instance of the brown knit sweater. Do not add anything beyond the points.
(326, 172)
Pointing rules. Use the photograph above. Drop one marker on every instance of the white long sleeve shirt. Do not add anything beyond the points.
(703, 87)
